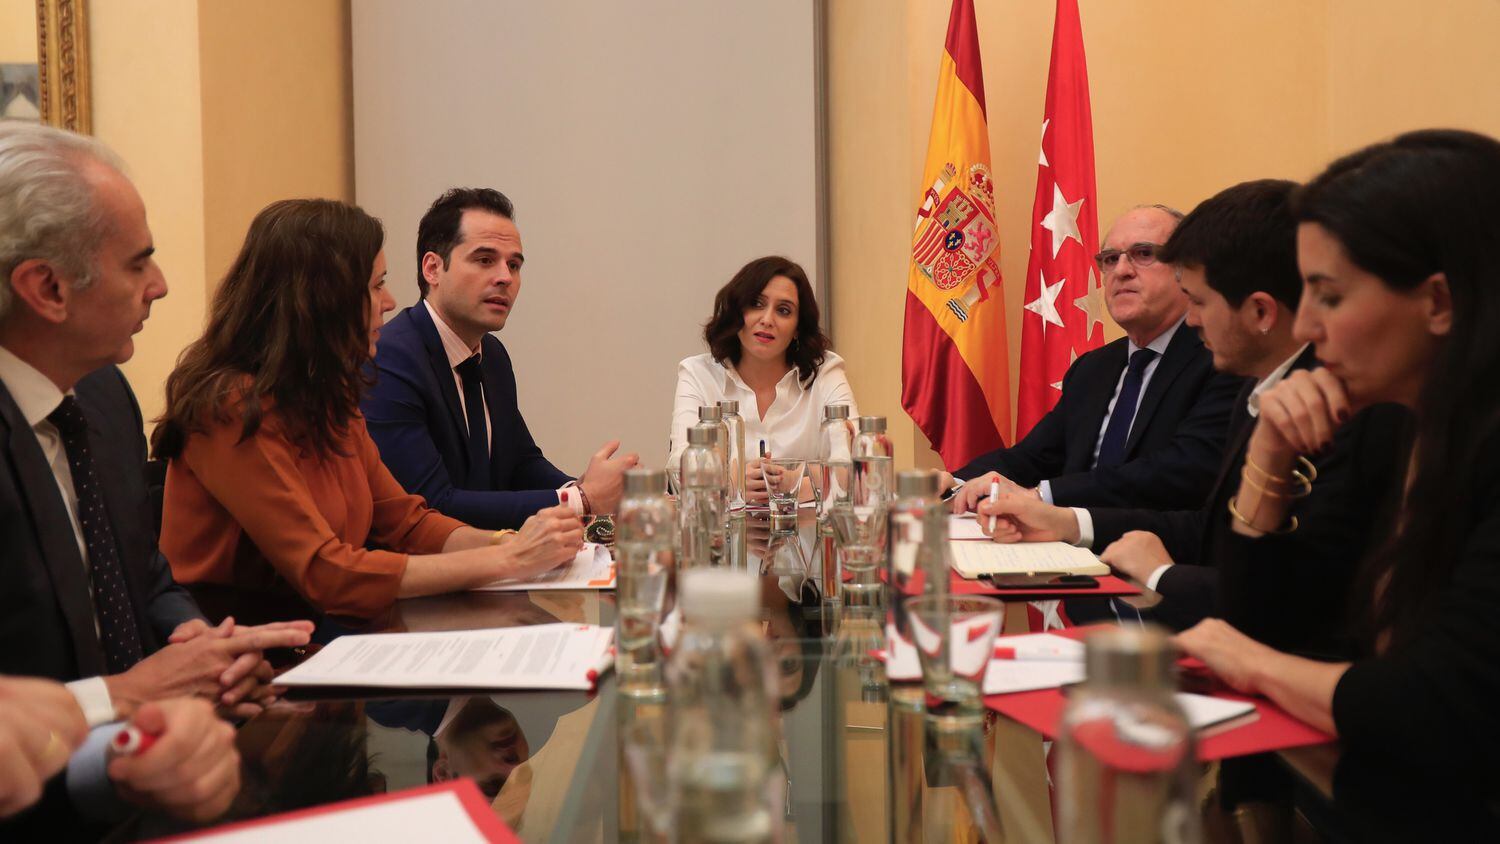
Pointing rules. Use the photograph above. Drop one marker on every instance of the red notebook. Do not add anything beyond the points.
(1272, 729)
(421, 808)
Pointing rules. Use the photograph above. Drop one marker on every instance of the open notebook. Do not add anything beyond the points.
(976, 559)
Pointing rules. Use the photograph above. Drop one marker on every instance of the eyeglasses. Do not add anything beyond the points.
(1140, 254)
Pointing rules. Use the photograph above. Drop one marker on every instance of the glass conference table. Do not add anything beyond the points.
(861, 760)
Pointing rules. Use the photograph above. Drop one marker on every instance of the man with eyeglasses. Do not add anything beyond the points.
(1141, 421)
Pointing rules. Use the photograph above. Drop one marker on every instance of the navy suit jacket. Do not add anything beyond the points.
(1176, 442)
(415, 418)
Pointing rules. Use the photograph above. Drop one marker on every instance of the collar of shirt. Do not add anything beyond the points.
(789, 384)
(34, 393)
(453, 346)
(1159, 345)
(1266, 383)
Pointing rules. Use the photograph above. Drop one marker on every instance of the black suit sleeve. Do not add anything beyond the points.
(1189, 594)
(1179, 473)
(1181, 531)
(1039, 455)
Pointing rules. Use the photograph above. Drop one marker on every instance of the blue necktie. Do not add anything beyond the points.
(1117, 433)
(479, 446)
(117, 631)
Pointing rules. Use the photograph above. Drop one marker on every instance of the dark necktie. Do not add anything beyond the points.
(479, 446)
(1117, 432)
(117, 630)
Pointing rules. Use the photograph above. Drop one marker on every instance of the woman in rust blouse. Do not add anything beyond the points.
(274, 486)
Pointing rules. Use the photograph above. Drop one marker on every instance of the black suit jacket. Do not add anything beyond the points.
(414, 416)
(46, 606)
(1176, 442)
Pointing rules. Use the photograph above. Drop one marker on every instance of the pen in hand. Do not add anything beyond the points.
(131, 741)
(994, 496)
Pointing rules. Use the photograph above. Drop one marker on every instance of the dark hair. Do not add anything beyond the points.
(441, 228)
(288, 322)
(722, 330)
(1424, 203)
(1245, 239)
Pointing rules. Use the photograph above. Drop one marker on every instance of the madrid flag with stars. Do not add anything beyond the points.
(1064, 301)
(955, 371)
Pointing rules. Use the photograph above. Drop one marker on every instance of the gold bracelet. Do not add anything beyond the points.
(1268, 493)
(499, 536)
(1312, 471)
(1270, 478)
(1303, 492)
(1233, 511)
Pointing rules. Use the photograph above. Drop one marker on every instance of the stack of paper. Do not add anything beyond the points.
(976, 559)
(1023, 663)
(541, 656)
(593, 568)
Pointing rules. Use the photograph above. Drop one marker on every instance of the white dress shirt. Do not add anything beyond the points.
(790, 425)
(458, 352)
(36, 397)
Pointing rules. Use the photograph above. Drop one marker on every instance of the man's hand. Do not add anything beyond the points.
(547, 539)
(192, 772)
(208, 665)
(40, 725)
(244, 689)
(603, 480)
(1137, 554)
(1022, 518)
(967, 499)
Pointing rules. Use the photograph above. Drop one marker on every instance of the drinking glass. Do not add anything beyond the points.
(955, 639)
(784, 483)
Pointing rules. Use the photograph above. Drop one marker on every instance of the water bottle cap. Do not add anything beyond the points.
(872, 424)
(915, 483)
(710, 413)
(728, 406)
(702, 434)
(835, 411)
(645, 481)
(1133, 657)
(719, 597)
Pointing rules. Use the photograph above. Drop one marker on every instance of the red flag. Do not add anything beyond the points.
(1063, 297)
(955, 372)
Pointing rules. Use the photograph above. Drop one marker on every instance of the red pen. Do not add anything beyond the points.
(131, 741)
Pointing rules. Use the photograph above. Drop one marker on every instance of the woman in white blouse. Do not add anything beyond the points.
(768, 352)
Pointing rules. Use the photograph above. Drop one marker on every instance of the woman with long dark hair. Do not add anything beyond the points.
(1401, 299)
(274, 485)
(766, 350)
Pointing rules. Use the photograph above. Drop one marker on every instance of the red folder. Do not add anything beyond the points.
(474, 803)
(1109, 587)
(1272, 729)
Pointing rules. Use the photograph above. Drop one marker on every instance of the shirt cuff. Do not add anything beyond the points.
(1155, 577)
(90, 789)
(1044, 489)
(92, 694)
(1085, 527)
(573, 500)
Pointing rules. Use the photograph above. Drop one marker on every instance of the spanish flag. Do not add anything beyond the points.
(955, 372)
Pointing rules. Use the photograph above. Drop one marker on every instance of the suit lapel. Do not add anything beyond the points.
(1095, 403)
(55, 537)
(437, 357)
(1180, 351)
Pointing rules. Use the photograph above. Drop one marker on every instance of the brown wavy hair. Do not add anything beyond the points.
(288, 324)
(722, 330)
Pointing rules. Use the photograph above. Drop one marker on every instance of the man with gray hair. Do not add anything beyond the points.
(1142, 421)
(84, 596)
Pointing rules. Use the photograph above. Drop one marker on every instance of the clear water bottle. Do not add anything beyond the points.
(873, 464)
(919, 540)
(734, 454)
(645, 538)
(1126, 765)
(835, 457)
(700, 506)
(723, 768)
(713, 415)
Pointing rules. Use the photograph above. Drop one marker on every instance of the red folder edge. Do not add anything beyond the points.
(1272, 729)
(468, 794)
(1109, 586)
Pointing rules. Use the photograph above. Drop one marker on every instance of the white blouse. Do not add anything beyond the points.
(790, 426)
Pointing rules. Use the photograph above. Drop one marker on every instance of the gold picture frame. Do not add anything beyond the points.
(62, 47)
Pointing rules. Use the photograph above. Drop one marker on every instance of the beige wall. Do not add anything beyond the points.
(1188, 98)
(217, 108)
(17, 31)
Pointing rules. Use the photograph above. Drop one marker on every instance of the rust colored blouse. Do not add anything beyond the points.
(262, 514)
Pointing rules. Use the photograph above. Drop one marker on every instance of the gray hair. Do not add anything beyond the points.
(1169, 210)
(48, 209)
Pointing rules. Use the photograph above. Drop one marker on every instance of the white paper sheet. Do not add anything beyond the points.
(593, 568)
(1003, 676)
(973, 559)
(425, 817)
(965, 528)
(1214, 714)
(540, 656)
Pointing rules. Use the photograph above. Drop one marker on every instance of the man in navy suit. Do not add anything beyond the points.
(1142, 421)
(443, 409)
